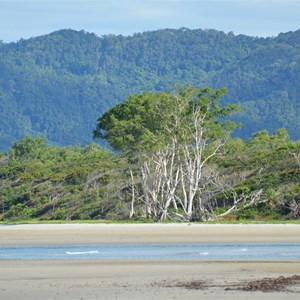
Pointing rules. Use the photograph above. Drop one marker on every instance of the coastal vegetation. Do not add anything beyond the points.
(174, 159)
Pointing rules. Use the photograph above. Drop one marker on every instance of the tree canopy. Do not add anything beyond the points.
(171, 137)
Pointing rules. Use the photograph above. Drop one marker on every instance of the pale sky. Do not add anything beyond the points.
(30, 18)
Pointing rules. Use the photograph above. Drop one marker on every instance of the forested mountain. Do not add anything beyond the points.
(57, 85)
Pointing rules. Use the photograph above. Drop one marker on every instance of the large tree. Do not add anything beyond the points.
(171, 137)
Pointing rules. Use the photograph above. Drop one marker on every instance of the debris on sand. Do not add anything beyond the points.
(269, 284)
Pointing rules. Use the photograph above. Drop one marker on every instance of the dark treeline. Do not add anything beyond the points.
(57, 85)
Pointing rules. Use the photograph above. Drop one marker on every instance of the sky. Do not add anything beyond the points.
(30, 18)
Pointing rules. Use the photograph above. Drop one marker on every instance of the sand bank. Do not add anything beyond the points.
(91, 234)
(138, 279)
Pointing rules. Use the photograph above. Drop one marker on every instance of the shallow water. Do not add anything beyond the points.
(198, 251)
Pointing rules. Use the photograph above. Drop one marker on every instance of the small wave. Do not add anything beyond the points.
(186, 253)
(204, 253)
(82, 252)
(243, 250)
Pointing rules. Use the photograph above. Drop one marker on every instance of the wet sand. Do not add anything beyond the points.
(141, 279)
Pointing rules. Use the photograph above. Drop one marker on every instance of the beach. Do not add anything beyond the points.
(143, 279)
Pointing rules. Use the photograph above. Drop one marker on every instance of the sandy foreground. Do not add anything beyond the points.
(143, 279)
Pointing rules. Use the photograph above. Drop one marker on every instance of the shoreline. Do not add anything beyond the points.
(137, 279)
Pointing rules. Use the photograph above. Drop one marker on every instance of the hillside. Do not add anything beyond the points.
(57, 85)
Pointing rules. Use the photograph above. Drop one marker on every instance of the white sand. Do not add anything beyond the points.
(138, 279)
(91, 234)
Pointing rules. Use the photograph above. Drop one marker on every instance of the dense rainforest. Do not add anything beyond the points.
(56, 86)
(174, 162)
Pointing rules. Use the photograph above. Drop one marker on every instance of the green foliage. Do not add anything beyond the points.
(54, 183)
(56, 85)
(60, 214)
(46, 182)
(28, 147)
(151, 120)
(267, 162)
(74, 183)
(259, 212)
